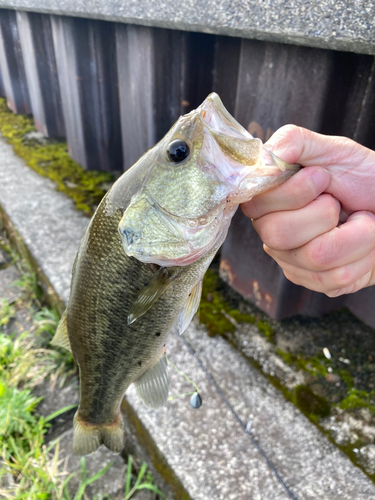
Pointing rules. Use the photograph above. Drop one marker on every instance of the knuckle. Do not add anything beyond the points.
(273, 238)
(317, 277)
(320, 253)
(342, 277)
(269, 232)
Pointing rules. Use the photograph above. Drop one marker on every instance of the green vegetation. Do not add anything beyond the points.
(315, 365)
(266, 329)
(139, 483)
(214, 311)
(50, 158)
(309, 403)
(29, 468)
(358, 399)
(24, 363)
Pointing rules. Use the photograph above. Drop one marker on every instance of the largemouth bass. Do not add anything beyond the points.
(140, 264)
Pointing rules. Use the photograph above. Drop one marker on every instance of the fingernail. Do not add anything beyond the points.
(320, 178)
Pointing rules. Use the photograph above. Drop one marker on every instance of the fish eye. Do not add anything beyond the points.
(178, 150)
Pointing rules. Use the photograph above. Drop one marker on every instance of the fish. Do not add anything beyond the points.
(139, 268)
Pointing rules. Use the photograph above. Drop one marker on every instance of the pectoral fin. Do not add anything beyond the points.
(190, 307)
(150, 293)
(61, 337)
(153, 386)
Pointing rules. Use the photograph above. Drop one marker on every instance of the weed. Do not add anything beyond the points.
(50, 158)
(358, 399)
(7, 312)
(265, 328)
(214, 312)
(139, 484)
(25, 362)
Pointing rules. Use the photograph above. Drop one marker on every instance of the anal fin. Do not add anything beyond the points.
(61, 337)
(153, 386)
(190, 308)
(150, 293)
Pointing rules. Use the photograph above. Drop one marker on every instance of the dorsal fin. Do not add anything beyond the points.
(61, 337)
(150, 293)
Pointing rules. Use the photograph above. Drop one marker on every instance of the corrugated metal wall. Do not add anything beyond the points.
(113, 90)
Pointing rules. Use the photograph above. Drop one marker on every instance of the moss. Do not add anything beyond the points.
(314, 365)
(357, 399)
(51, 159)
(347, 378)
(214, 311)
(310, 403)
(266, 329)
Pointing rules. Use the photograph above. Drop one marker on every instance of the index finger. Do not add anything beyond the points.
(295, 193)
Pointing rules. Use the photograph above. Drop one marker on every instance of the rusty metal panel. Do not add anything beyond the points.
(348, 111)
(11, 64)
(227, 59)
(280, 84)
(86, 65)
(365, 123)
(160, 77)
(41, 73)
(320, 90)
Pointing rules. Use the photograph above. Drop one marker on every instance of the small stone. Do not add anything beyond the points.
(332, 377)
(326, 353)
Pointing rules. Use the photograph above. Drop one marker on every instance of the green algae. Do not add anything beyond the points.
(358, 399)
(310, 403)
(314, 365)
(214, 311)
(346, 377)
(51, 159)
(265, 328)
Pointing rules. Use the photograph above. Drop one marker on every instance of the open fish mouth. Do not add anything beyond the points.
(179, 198)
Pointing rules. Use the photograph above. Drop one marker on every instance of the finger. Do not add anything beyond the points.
(298, 145)
(288, 230)
(344, 244)
(295, 193)
(334, 282)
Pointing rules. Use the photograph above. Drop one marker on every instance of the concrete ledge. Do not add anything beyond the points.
(204, 454)
(347, 25)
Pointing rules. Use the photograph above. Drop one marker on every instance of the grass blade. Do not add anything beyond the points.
(128, 476)
(60, 412)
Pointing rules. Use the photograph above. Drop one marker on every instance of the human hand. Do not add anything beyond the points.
(298, 221)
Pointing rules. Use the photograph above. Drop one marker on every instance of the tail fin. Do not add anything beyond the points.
(88, 437)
